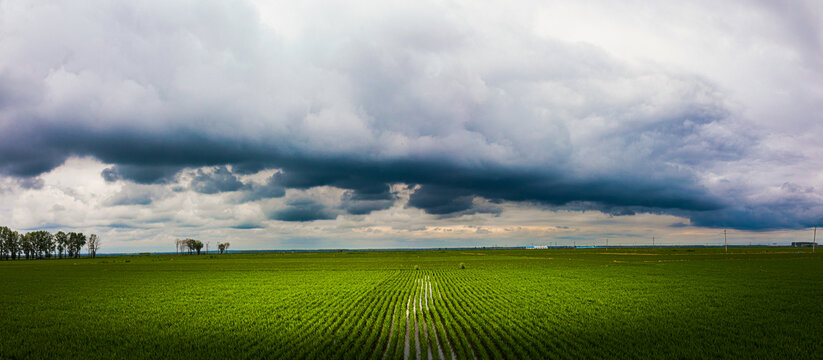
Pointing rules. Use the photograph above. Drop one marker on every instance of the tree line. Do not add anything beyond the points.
(192, 246)
(44, 245)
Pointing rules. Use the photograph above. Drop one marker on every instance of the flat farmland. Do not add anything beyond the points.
(453, 304)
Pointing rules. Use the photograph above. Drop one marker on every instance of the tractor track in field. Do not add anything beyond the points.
(450, 309)
(421, 298)
(408, 329)
(427, 313)
(430, 299)
(391, 331)
(416, 327)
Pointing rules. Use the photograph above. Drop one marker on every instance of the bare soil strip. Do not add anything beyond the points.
(423, 298)
(430, 299)
(406, 348)
(416, 329)
(426, 292)
(391, 331)
(474, 356)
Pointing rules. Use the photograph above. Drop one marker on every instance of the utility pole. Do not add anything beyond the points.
(725, 243)
(652, 242)
(814, 239)
(607, 243)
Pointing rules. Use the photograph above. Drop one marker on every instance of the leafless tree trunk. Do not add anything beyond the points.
(93, 245)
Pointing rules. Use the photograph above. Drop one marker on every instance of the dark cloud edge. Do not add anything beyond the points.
(445, 187)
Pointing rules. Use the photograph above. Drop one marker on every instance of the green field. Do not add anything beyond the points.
(571, 304)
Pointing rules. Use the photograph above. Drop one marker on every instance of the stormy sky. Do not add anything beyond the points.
(418, 124)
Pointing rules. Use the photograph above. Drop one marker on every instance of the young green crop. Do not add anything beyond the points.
(517, 304)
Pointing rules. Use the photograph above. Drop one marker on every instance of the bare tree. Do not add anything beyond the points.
(220, 247)
(192, 245)
(188, 245)
(178, 246)
(93, 244)
(226, 246)
(184, 246)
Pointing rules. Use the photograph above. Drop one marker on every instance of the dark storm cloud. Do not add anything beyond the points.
(440, 200)
(419, 98)
(363, 207)
(450, 188)
(759, 218)
(301, 210)
(273, 188)
(217, 181)
(446, 186)
(141, 174)
(247, 226)
(365, 200)
(795, 207)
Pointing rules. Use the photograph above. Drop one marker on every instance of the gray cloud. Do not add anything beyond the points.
(247, 226)
(302, 209)
(365, 200)
(790, 206)
(440, 200)
(35, 183)
(217, 181)
(415, 97)
(273, 188)
(141, 174)
(134, 194)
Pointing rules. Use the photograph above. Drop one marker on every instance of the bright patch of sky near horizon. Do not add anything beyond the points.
(426, 124)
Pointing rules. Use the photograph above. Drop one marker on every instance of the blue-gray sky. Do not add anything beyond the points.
(381, 124)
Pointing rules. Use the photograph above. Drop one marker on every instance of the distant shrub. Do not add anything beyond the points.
(462, 266)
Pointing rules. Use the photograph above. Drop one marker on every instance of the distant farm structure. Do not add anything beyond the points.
(804, 244)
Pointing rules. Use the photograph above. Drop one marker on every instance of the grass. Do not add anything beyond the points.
(592, 303)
